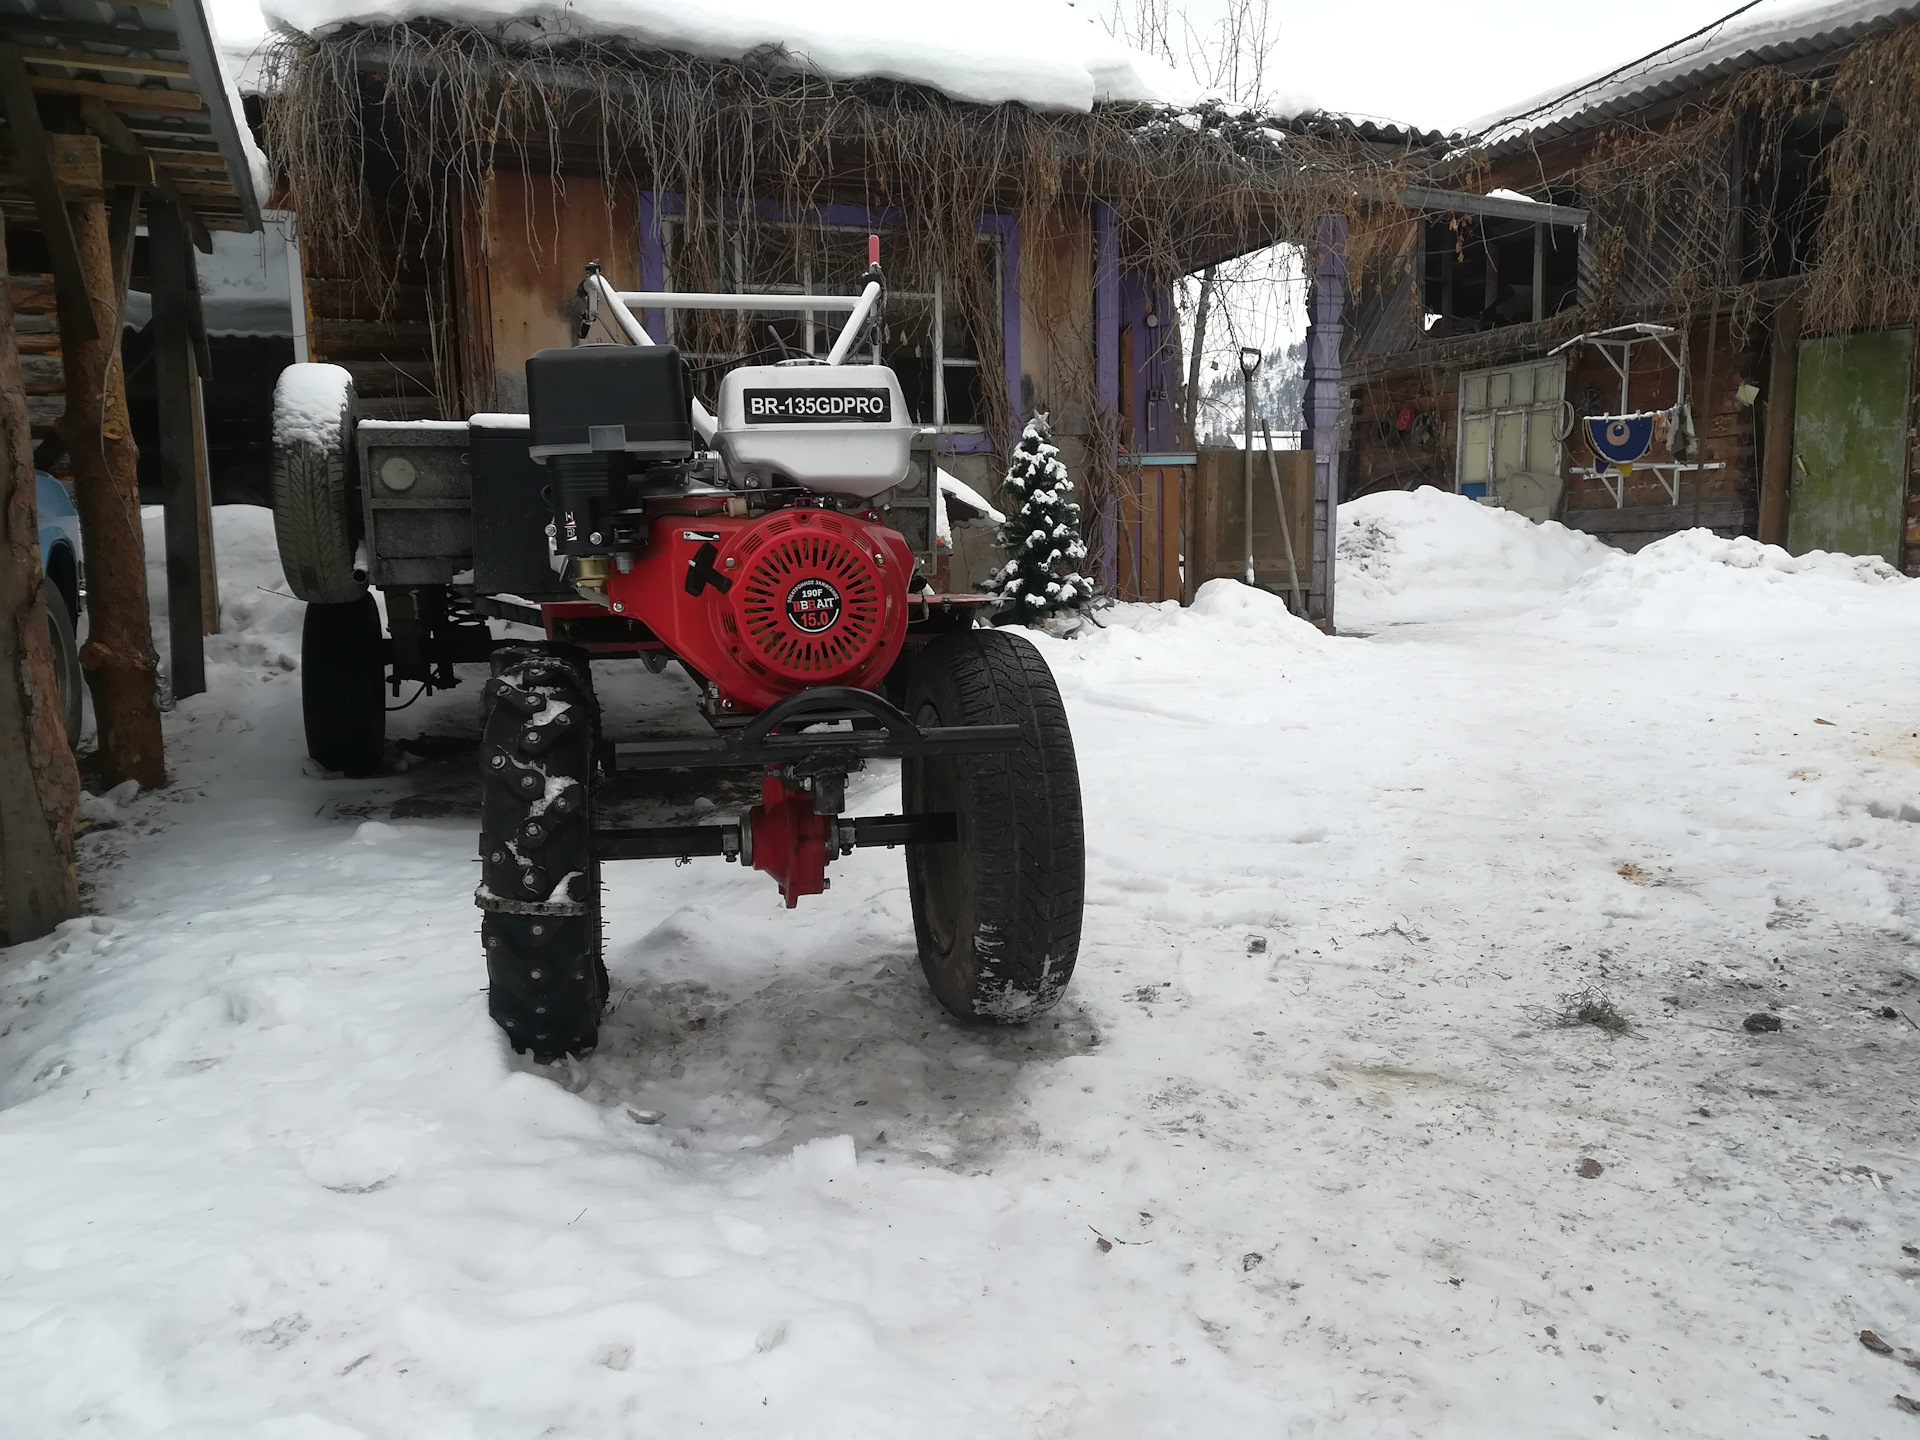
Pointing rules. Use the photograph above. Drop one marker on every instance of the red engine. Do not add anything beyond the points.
(767, 607)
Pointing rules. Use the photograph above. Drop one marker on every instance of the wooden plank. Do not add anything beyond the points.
(1783, 372)
(129, 36)
(538, 243)
(119, 64)
(56, 227)
(369, 339)
(203, 513)
(140, 99)
(43, 375)
(115, 131)
(171, 267)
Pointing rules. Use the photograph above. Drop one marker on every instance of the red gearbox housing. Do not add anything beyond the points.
(766, 607)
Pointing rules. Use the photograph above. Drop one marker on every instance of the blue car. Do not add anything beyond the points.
(61, 562)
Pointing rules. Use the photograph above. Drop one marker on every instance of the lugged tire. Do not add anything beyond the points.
(997, 914)
(343, 686)
(315, 494)
(540, 885)
(67, 673)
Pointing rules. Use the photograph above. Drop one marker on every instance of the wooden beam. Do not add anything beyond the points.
(215, 189)
(1459, 202)
(170, 265)
(131, 37)
(39, 786)
(175, 159)
(120, 64)
(118, 655)
(111, 128)
(1783, 382)
(30, 142)
(143, 99)
(123, 219)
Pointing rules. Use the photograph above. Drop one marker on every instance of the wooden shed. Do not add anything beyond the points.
(453, 182)
(1720, 233)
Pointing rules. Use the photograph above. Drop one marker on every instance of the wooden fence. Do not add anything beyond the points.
(1182, 523)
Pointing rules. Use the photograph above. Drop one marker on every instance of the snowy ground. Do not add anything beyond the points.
(1300, 1156)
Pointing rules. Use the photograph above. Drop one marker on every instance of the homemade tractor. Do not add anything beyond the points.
(778, 549)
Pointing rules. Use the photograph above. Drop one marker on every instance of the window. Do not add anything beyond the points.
(1482, 272)
(1511, 425)
(926, 339)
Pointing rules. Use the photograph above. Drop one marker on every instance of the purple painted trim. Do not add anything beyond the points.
(1326, 306)
(1007, 227)
(653, 262)
(1106, 306)
(653, 276)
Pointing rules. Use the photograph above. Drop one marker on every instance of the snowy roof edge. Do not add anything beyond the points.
(1721, 49)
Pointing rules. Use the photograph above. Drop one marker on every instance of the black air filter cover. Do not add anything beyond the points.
(609, 398)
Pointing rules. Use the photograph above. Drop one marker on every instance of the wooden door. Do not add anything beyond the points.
(1152, 530)
(1220, 530)
(1849, 468)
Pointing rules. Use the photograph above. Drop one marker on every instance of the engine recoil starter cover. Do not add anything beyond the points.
(769, 606)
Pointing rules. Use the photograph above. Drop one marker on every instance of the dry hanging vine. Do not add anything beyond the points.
(384, 135)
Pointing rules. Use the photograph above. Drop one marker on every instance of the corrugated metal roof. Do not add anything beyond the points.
(157, 91)
(1772, 32)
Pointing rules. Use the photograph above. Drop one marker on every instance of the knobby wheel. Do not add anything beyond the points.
(343, 683)
(997, 913)
(540, 885)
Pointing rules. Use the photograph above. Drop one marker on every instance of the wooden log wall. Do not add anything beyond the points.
(36, 328)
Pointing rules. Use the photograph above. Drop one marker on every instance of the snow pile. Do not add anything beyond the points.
(259, 621)
(1042, 52)
(306, 404)
(1698, 581)
(1416, 556)
(272, 1172)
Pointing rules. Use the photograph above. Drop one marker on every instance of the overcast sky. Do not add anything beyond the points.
(1441, 66)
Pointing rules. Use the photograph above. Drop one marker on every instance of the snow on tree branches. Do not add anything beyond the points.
(1042, 533)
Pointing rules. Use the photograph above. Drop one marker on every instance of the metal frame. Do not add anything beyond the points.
(881, 732)
(1624, 338)
(684, 842)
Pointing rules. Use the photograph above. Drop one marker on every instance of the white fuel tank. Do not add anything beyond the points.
(834, 429)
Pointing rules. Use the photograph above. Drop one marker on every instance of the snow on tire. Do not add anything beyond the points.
(997, 913)
(315, 496)
(540, 885)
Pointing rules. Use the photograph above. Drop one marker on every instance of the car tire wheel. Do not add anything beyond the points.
(315, 488)
(540, 885)
(343, 690)
(996, 914)
(67, 674)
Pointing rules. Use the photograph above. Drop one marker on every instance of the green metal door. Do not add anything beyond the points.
(1850, 443)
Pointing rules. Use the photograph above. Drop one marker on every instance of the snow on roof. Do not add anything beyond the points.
(1760, 33)
(1045, 53)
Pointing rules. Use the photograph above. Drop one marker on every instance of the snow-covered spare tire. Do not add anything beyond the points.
(315, 494)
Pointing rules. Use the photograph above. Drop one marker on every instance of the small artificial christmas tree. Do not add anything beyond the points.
(1042, 533)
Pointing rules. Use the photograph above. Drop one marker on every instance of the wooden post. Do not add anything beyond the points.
(118, 656)
(39, 784)
(203, 506)
(1783, 377)
(1539, 273)
(174, 375)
